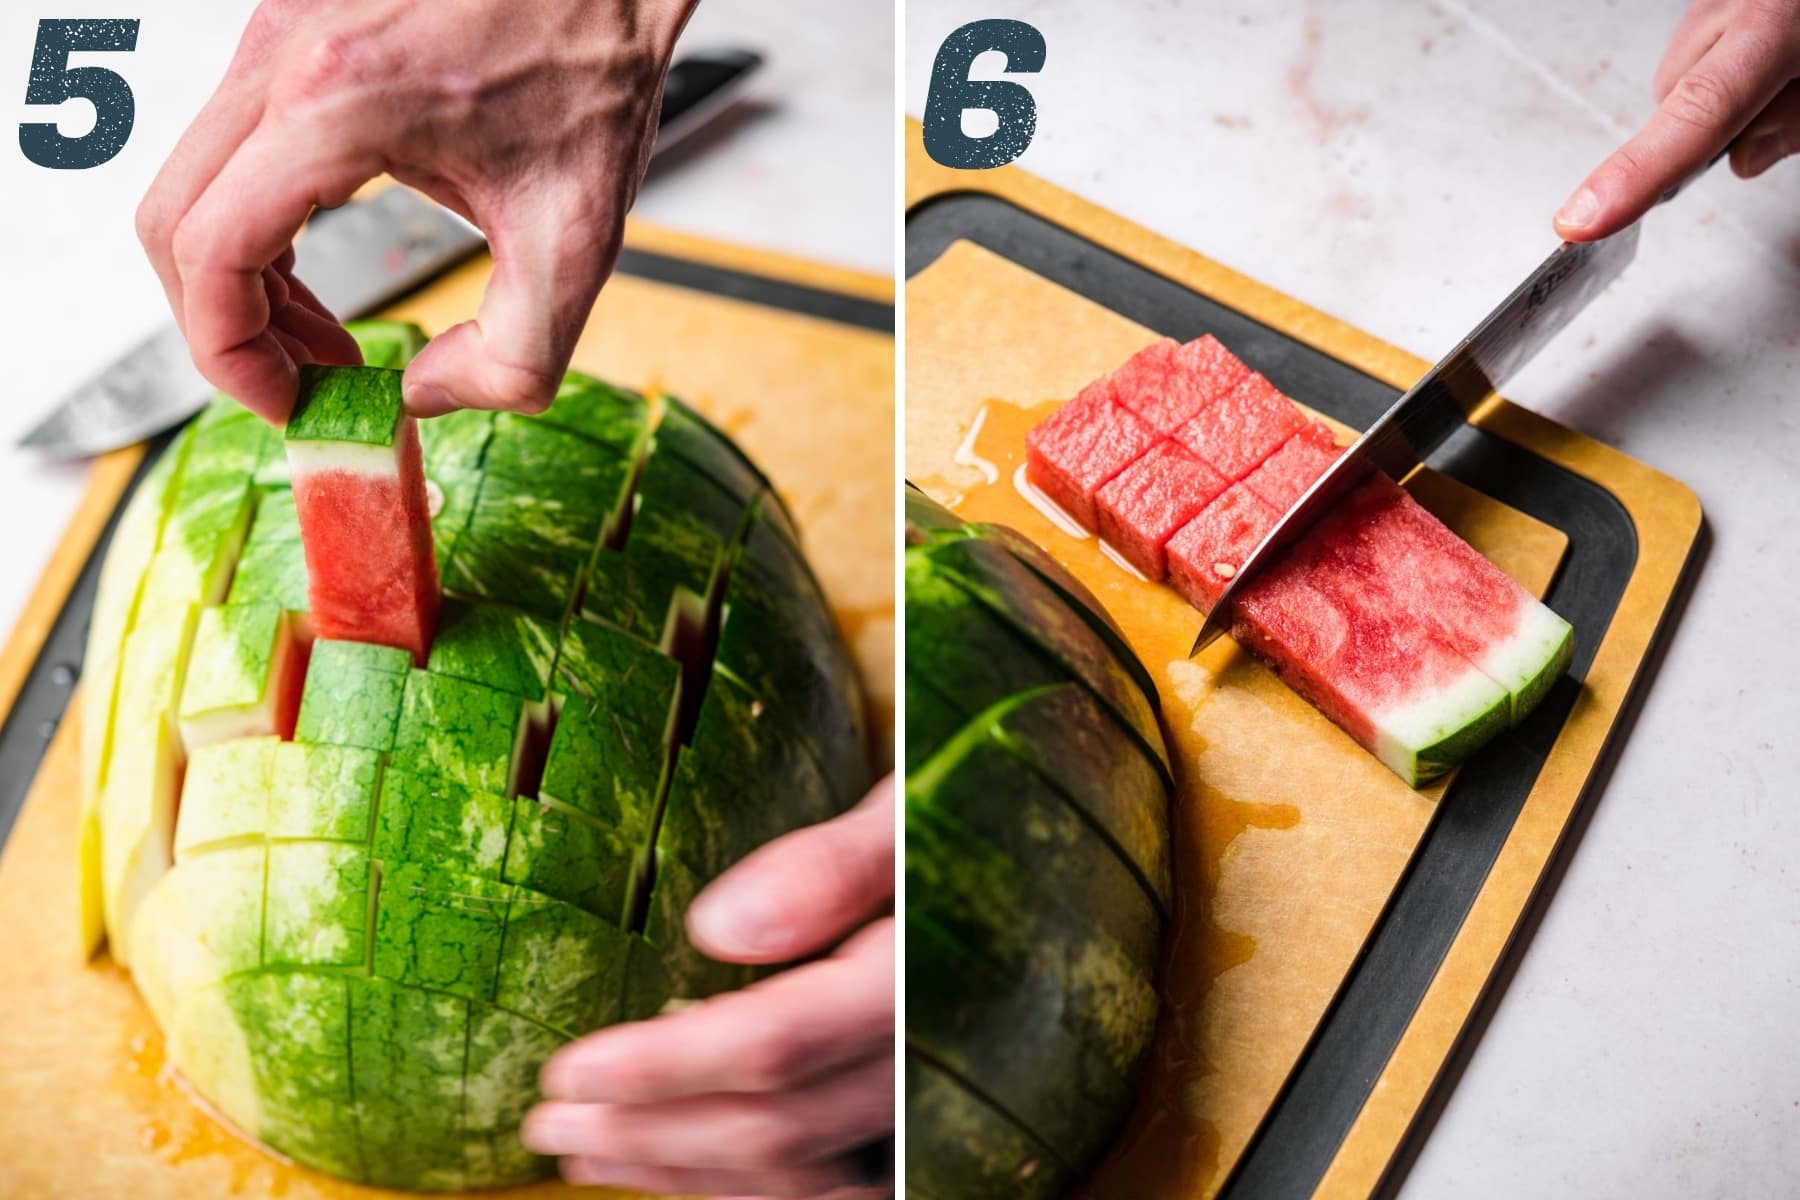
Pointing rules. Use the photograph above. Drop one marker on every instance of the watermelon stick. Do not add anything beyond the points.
(365, 522)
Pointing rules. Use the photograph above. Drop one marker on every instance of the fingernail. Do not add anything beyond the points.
(1580, 210)
(1762, 152)
(428, 400)
(737, 920)
(551, 1129)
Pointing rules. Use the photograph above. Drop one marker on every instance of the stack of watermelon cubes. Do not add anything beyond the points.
(1394, 627)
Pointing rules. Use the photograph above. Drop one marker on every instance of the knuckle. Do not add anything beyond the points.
(772, 1141)
(336, 61)
(189, 245)
(1701, 100)
(152, 223)
(520, 389)
(772, 1063)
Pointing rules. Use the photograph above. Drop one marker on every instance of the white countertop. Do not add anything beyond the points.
(805, 166)
(1396, 165)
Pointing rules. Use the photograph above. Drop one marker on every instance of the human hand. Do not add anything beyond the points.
(1731, 77)
(534, 121)
(771, 1090)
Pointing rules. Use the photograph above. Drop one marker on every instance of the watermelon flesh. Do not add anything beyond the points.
(1394, 627)
(365, 518)
(1149, 500)
(1079, 448)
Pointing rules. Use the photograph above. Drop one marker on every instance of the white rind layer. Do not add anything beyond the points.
(1405, 730)
(1516, 662)
(310, 459)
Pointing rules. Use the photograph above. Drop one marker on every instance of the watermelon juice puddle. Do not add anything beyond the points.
(181, 1130)
(1166, 1149)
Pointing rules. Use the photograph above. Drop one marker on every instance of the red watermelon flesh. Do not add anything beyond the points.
(1165, 384)
(1149, 500)
(1072, 453)
(1379, 672)
(1388, 539)
(1204, 554)
(366, 525)
(1234, 434)
(1286, 474)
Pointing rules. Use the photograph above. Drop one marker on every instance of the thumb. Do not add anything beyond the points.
(550, 258)
(803, 892)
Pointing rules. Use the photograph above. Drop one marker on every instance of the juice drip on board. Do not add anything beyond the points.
(1168, 1149)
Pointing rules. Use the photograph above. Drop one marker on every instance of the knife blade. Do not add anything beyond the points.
(1446, 397)
(356, 258)
(1455, 391)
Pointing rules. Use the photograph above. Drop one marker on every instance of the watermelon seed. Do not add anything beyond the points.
(1224, 570)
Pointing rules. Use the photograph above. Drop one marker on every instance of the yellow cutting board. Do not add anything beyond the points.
(1289, 839)
(87, 1108)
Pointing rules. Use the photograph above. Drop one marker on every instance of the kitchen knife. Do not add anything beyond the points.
(356, 258)
(1449, 395)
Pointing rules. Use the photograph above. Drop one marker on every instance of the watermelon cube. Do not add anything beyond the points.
(244, 675)
(1242, 428)
(1206, 552)
(1377, 669)
(1165, 384)
(1072, 453)
(1286, 474)
(1152, 498)
(365, 521)
(1386, 539)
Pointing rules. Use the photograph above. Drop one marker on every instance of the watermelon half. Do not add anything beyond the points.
(1037, 865)
(1393, 626)
(369, 865)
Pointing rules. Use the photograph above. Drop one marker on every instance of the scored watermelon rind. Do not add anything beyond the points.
(292, 966)
(348, 406)
(1033, 926)
(1423, 739)
(1528, 663)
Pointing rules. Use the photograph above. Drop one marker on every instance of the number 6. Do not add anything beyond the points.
(953, 93)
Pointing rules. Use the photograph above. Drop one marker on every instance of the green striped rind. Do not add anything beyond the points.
(956, 1007)
(1012, 591)
(235, 649)
(272, 567)
(1012, 918)
(970, 1150)
(325, 792)
(776, 783)
(510, 651)
(615, 417)
(524, 549)
(926, 519)
(688, 435)
(459, 731)
(1037, 863)
(347, 404)
(369, 945)
(353, 695)
(115, 602)
(225, 794)
(1066, 853)
(679, 537)
(778, 636)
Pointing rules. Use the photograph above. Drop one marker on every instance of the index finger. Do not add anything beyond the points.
(1707, 107)
(801, 892)
(244, 221)
(775, 1034)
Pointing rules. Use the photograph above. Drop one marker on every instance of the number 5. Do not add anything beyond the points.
(53, 80)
